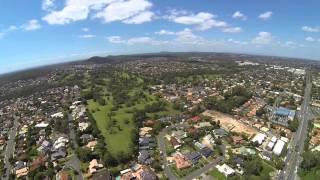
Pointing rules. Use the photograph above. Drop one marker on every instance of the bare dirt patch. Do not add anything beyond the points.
(230, 123)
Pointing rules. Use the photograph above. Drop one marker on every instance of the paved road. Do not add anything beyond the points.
(203, 170)
(296, 146)
(162, 146)
(167, 170)
(74, 162)
(10, 148)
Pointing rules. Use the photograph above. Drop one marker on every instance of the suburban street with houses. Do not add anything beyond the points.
(297, 143)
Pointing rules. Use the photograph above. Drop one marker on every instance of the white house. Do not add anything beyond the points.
(278, 147)
(42, 125)
(259, 138)
(57, 115)
(226, 170)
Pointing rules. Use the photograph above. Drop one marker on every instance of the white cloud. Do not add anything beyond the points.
(87, 36)
(186, 36)
(131, 12)
(127, 11)
(232, 30)
(239, 15)
(263, 38)
(47, 4)
(85, 29)
(31, 25)
(135, 40)
(67, 15)
(140, 18)
(115, 39)
(165, 32)
(311, 29)
(201, 21)
(238, 42)
(310, 39)
(8, 30)
(11, 28)
(266, 15)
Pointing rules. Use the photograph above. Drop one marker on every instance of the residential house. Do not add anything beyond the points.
(91, 145)
(259, 138)
(61, 153)
(220, 133)
(63, 175)
(206, 152)
(94, 166)
(181, 161)
(195, 119)
(83, 126)
(193, 157)
(85, 138)
(175, 143)
(144, 157)
(179, 135)
(237, 140)
(22, 172)
(226, 170)
(102, 175)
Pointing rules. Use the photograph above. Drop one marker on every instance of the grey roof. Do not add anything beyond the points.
(194, 157)
(148, 175)
(206, 152)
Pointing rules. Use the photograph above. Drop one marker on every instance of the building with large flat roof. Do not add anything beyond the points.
(282, 116)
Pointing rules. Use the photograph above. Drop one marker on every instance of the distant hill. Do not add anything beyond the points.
(221, 57)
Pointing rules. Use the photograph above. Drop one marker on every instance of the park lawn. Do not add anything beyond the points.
(125, 113)
(217, 175)
(119, 140)
(169, 112)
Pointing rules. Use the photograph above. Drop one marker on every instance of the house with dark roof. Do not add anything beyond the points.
(174, 142)
(147, 174)
(61, 153)
(102, 175)
(206, 152)
(193, 157)
(144, 141)
(144, 157)
(20, 165)
(85, 138)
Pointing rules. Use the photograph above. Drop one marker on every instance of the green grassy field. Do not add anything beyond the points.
(217, 175)
(120, 140)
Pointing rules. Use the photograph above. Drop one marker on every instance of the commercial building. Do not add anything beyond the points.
(282, 116)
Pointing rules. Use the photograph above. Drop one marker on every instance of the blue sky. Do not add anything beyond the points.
(39, 32)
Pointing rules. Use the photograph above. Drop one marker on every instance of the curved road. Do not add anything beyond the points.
(167, 170)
